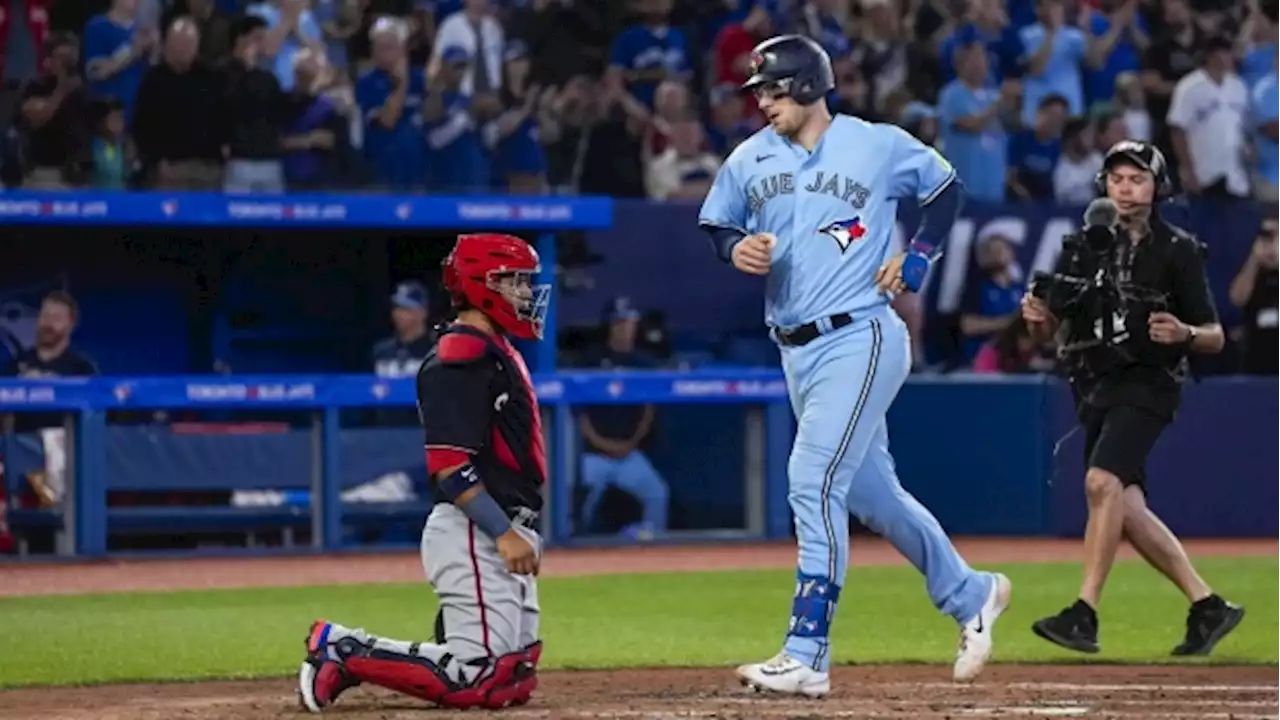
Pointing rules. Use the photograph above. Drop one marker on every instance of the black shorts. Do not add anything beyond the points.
(1118, 439)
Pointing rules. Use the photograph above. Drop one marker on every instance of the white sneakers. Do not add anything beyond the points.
(784, 674)
(975, 635)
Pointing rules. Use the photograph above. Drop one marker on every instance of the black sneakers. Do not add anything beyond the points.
(1075, 628)
(1209, 620)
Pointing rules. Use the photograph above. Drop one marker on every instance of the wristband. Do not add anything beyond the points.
(915, 266)
(481, 509)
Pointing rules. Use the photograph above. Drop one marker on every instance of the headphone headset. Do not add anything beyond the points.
(1144, 155)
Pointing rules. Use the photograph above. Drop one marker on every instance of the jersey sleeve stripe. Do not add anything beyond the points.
(951, 177)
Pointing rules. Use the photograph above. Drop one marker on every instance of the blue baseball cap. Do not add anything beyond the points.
(620, 308)
(411, 295)
(455, 55)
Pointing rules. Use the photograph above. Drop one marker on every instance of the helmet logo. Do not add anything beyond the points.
(757, 61)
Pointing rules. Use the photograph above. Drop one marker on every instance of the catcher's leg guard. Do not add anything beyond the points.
(511, 680)
(414, 676)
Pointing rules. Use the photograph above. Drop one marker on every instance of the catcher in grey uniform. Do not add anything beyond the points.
(480, 550)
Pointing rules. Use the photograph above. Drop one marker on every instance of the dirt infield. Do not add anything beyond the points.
(1186, 692)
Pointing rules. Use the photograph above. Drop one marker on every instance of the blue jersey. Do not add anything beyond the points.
(398, 154)
(103, 39)
(833, 211)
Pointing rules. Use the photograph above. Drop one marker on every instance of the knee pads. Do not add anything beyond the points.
(813, 607)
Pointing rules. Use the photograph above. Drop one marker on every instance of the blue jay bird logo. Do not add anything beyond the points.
(845, 232)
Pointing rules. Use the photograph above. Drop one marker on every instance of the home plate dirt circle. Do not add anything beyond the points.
(872, 692)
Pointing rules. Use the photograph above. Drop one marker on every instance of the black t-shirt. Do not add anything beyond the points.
(29, 364)
(1171, 59)
(1148, 375)
(178, 115)
(63, 140)
(1262, 325)
(485, 406)
(255, 107)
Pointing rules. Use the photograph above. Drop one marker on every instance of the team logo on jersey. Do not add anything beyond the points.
(845, 232)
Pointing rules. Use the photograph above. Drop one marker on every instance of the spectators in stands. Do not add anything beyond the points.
(728, 126)
(1055, 56)
(456, 159)
(1118, 37)
(290, 28)
(1207, 125)
(22, 35)
(1011, 351)
(973, 117)
(992, 297)
(117, 50)
(643, 56)
(212, 25)
(54, 119)
(178, 124)
(315, 130)
(1264, 113)
(880, 51)
(1078, 164)
(254, 105)
(477, 33)
(1254, 290)
(1033, 153)
(683, 171)
(390, 96)
(519, 164)
(113, 151)
(1131, 103)
(985, 22)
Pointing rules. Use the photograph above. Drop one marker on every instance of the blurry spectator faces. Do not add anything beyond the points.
(181, 44)
(387, 37)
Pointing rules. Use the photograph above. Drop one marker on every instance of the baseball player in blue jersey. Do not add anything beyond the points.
(809, 202)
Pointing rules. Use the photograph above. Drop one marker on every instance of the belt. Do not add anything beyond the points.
(522, 516)
(807, 333)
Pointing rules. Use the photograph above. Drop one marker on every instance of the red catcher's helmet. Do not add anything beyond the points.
(494, 274)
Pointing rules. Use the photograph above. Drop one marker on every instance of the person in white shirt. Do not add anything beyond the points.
(1132, 101)
(477, 31)
(683, 171)
(1207, 125)
(1078, 165)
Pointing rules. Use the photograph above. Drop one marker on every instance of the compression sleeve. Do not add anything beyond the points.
(723, 240)
(936, 220)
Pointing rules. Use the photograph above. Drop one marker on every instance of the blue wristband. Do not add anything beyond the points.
(915, 266)
(481, 509)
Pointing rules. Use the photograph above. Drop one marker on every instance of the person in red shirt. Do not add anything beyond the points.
(733, 46)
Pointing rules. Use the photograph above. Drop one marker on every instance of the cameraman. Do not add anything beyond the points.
(1128, 388)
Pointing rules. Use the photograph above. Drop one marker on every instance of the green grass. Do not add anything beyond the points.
(703, 619)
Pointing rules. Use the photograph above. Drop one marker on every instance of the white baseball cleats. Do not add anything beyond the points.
(786, 675)
(975, 635)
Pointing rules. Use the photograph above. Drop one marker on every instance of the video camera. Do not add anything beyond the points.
(1091, 293)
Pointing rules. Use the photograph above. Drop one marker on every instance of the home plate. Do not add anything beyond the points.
(1032, 710)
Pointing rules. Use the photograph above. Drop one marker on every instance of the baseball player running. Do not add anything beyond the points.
(809, 202)
(480, 551)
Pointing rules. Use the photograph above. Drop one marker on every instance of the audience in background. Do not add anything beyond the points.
(1207, 124)
(991, 296)
(117, 51)
(54, 120)
(255, 107)
(1254, 290)
(1033, 153)
(683, 171)
(401, 354)
(1078, 164)
(974, 115)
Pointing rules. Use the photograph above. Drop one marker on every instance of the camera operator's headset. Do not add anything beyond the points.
(1145, 156)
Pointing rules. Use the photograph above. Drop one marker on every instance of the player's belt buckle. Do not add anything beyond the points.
(807, 333)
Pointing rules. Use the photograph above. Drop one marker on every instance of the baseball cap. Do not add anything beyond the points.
(620, 308)
(411, 295)
(515, 50)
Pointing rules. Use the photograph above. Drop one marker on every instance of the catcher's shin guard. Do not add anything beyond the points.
(414, 676)
(510, 681)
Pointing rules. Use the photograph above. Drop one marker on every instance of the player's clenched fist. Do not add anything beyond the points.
(518, 553)
(753, 253)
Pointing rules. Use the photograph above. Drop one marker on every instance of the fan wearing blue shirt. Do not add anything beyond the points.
(291, 26)
(117, 51)
(644, 55)
(456, 158)
(989, 25)
(1033, 153)
(518, 160)
(390, 96)
(1119, 38)
(1265, 100)
(973, 133)
(1054, 54)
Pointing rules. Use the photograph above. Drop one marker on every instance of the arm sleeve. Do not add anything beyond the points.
(1193, 301)
(454, 406)
(724, 211)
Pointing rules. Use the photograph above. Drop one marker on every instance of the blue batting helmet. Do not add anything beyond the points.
(796, 64)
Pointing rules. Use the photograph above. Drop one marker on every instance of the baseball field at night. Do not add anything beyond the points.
(646, 632)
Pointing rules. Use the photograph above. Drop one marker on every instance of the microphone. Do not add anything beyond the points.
(1101, 213)
(1100, 221)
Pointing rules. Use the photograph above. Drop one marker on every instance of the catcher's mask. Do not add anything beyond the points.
(494, 274)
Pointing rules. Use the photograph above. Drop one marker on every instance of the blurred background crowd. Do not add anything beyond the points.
(626, 98)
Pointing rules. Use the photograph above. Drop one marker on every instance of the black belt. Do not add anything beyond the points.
(807, 333)
(521, 516)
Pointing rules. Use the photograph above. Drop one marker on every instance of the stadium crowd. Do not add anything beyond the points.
(638, 98)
